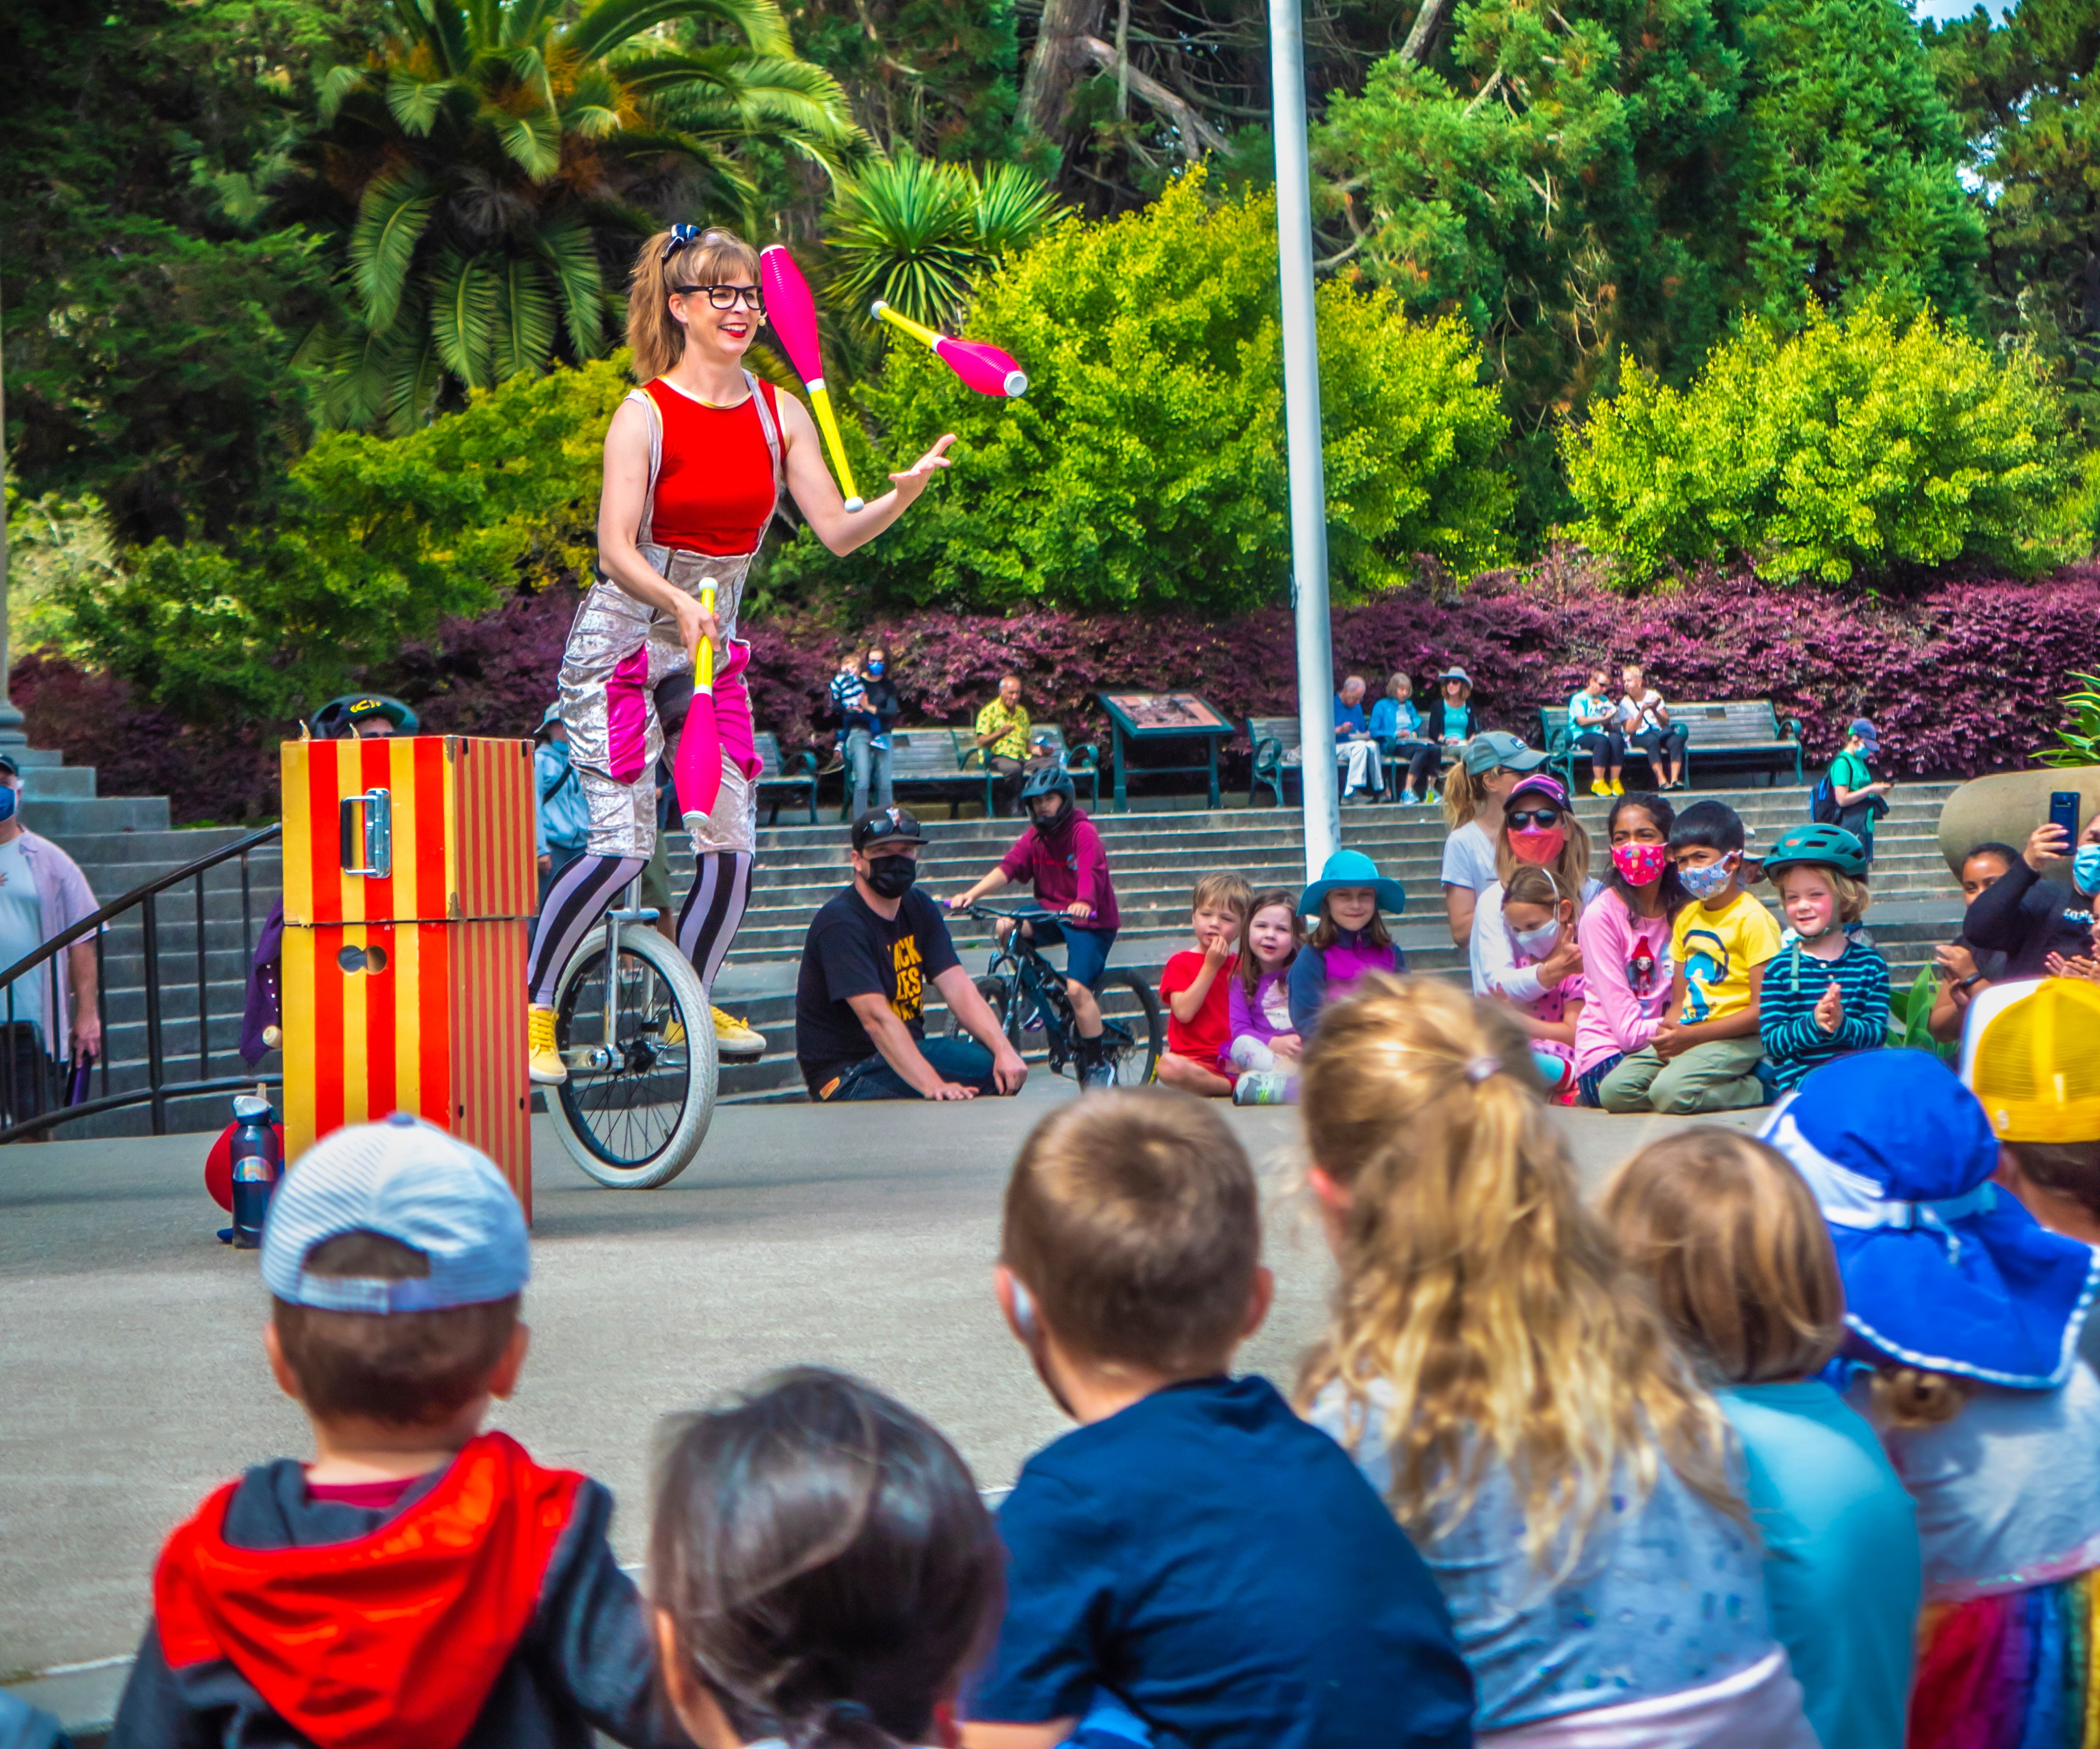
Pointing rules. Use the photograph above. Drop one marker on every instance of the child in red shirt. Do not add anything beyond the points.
(1197, 988)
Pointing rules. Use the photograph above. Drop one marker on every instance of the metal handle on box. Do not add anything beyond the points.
(369, 852)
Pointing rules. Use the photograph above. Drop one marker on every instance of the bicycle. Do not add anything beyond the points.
(639, 1046)
(1027, 992)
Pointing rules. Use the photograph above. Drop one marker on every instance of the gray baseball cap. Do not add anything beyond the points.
(409, 1181)
(1484, 753)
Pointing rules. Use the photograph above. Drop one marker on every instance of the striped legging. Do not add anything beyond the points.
(585, 890)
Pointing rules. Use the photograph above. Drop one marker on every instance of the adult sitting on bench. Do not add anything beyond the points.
(1593, 725)
(1451, 723)
(1644, 723)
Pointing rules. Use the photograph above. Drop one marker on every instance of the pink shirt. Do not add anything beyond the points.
(63, 898)
(1625, 979)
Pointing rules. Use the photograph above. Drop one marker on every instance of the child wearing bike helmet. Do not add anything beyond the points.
(1062, 855)
(1825, 994)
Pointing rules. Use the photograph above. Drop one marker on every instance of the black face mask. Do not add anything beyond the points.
(1057, 824)
(891, 877)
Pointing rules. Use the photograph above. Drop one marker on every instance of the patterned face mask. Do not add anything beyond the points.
(1711, 881)
(1640, 864)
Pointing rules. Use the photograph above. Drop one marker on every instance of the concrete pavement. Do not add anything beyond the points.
(131, 1376)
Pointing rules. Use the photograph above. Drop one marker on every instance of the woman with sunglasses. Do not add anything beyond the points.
(1538, 830)
(696, 461)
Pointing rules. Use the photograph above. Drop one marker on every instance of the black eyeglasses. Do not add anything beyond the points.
(1537, 817)
(726, 296)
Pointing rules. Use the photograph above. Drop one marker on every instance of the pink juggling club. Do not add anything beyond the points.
(983, 367)
(792, 311)
(696, 775)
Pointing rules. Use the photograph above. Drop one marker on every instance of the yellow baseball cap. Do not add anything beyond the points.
(2031, 1054)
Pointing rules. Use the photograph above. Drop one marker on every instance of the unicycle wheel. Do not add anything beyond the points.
(637, 1106)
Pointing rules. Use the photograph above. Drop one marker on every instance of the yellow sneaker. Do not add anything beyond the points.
(1618, 786)
(674, 1032)
(1600, 788)
(736, 1039)
(543, 1061)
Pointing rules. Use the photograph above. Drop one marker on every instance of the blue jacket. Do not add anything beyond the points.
(1393, 720)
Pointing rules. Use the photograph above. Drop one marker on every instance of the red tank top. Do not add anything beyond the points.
(714, 489)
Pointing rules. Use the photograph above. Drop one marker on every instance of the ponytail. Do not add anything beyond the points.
(684, 255)
(1462, 793)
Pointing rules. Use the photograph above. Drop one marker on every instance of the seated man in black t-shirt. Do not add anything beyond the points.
(860, 1032)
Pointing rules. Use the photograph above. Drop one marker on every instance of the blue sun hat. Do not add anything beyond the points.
(1353, 868)
(1942, 1269)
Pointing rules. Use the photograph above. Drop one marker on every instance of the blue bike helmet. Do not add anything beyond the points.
(1049, 779)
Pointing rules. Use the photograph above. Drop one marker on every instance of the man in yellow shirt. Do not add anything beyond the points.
(1705, 1053)
(1002, 735)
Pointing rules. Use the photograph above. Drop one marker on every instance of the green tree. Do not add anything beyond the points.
(480, 177)
(1564, 189)
(934, 76)
(1605, 183)
(375, 541)
(148, 324)
(2025, 91)
(1862, 445)
(1145, 466)
(1855, 185)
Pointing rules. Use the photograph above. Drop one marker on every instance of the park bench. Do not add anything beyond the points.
(1735, 731)
(1276, 754)
(778, 781)
(931, 757)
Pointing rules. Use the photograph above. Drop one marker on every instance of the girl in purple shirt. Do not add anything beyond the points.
(1262, 1036)
(1350, 938)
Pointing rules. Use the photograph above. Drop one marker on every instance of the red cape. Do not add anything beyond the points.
(395, 1639)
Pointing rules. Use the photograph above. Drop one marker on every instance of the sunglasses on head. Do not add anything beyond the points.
(726, 296)
(1533, 816)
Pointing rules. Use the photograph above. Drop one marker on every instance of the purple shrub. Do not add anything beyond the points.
(1962, 677)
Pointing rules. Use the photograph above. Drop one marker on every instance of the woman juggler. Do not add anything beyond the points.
(696, 460)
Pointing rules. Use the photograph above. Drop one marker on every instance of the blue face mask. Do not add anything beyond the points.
(2085, 868)
(1708, 883)
(8, 799)
(875, 670)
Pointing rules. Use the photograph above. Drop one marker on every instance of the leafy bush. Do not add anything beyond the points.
(375, 544)
(2078, 738)
(1862, 444)
(1144, 468)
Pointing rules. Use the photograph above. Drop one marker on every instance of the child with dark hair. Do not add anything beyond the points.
(1623, 934)
(1265, 1047)
(822, 1567)
(1193, 1546)
(1965, 970)
(492, 1612)
(1705, 1054)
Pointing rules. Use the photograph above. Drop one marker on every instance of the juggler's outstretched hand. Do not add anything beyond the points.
(912, 481)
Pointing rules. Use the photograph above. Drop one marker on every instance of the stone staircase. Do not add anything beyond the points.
(1156, 857)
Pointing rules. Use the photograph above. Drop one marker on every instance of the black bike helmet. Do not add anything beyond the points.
(1049, 779)
(1828, 847)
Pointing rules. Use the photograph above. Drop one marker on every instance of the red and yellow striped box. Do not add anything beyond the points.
(406, 992)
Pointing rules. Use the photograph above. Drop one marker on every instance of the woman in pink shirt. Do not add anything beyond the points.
(1625, 937)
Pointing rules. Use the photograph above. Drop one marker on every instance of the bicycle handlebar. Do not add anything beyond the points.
(984, 913)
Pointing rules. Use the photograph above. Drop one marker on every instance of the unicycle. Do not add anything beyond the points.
(639, 1046)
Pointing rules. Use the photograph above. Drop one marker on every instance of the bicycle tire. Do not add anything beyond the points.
(1136, 1065)
(994, 991)
(599, 1115)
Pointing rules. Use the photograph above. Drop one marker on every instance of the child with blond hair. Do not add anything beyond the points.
(1508, 1387)
(1963, 1317)
(1191, 1547)
(1730, 1238)
(1195, 987)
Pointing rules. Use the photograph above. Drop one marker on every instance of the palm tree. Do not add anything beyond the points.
(918, 233)
(485, 173)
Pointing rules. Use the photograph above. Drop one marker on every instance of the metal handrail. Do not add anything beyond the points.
(158, 1090)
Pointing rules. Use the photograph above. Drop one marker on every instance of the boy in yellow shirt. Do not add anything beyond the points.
(1705, 1053)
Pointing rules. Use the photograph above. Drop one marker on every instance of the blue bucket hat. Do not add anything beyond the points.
(1353, 868)
(1942, 1269)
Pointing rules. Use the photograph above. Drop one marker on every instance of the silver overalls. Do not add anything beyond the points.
(619, 648)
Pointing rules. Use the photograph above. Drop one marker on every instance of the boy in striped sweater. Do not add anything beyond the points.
(1825, 994)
